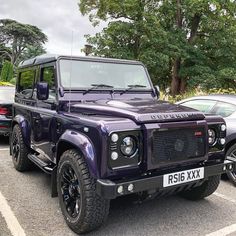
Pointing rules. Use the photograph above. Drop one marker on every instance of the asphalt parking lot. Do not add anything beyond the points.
(26, 208)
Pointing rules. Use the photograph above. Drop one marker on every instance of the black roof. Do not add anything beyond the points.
(229, 98)
(46, 58)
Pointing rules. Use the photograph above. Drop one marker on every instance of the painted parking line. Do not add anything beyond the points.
(228, 229)
(224, 231)
(11, 220)
(224, 197)
(4, 149)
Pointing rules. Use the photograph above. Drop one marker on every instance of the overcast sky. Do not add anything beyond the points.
(57, 19)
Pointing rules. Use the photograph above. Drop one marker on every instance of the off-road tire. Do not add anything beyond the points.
(21, 163)
(93, 209)
(204, 190)
(232, 153)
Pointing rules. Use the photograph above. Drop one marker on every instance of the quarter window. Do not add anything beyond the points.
(26, 82)
(223, 109)
(200, 104)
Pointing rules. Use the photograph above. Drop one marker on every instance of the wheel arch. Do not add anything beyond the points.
(75, 140)
(230, 144)
(24, 126)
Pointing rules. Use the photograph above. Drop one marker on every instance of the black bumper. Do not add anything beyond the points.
(109, 189)
(5, 126)
(5, 131)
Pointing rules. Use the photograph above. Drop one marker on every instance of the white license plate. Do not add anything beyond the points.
(183, 177)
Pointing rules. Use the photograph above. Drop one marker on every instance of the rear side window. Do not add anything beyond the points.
(26, 82)
(200, 104)
(223, 109)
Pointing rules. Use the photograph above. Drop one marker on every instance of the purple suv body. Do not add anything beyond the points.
(128, 138)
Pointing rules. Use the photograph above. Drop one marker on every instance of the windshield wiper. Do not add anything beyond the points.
(95, 86)
(132, 86)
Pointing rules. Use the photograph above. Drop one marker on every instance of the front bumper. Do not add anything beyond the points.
(109, 189)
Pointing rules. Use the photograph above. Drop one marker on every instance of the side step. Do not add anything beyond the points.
(49, 168)
(43, 164)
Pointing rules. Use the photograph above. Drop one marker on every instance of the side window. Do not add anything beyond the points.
(26, 83)
(200, 104)
(48, 75)
(223, 109)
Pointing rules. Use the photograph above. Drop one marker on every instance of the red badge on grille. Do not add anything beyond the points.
(198, 133)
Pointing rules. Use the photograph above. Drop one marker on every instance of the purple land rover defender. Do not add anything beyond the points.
(97, 127)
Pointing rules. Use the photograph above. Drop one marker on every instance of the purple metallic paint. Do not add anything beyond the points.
(84, 144)
(25, 127)
(140, 111)
(133, 110)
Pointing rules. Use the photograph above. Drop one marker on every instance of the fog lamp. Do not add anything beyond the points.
(120, 189)
(130, 187)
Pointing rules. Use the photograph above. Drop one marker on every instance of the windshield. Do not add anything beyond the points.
(84, 74)
(7, 94)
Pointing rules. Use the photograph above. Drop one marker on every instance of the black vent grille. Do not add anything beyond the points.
(174, 145)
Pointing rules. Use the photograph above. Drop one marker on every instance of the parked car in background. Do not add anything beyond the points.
(224, 105)
(6, 100)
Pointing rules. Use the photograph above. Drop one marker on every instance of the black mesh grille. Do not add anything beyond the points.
(178, 144)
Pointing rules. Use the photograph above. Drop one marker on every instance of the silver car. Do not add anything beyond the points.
(224, 105)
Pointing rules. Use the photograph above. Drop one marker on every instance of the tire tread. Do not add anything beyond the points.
(96, 208)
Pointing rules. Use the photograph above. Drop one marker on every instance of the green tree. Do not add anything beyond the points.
(31, 51)
(183, 43)
(7, 72)
(17, 38)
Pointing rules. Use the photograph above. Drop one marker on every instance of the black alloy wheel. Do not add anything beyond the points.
(19, 150)
(82, 208)
(70, 191)
(15, 146)
(231, 152)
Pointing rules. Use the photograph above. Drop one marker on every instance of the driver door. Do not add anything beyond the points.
(43, 115)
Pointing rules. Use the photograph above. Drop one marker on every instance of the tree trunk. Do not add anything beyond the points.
(183, 85)
(175, 83)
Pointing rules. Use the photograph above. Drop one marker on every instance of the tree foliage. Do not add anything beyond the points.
(31, 51)
(7, 72)
(183, 43)
(17, 38)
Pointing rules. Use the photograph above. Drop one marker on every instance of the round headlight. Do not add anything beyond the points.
(128, 146)
(211, 136)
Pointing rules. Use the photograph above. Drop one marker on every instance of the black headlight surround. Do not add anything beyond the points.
(125, 161)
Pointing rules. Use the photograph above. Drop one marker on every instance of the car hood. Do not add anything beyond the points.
(139, 110)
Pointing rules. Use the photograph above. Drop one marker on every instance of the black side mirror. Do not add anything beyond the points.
(157, 91)
(42, 91)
